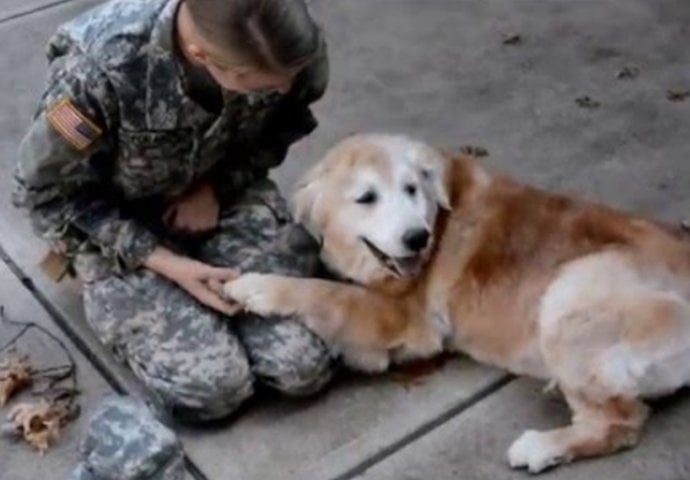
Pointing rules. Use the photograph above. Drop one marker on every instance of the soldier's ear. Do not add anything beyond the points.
(197, 53)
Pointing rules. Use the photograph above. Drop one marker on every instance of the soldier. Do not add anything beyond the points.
(147, 166)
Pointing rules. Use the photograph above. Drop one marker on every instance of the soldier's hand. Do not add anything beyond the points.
(200, 280)
(196, 211)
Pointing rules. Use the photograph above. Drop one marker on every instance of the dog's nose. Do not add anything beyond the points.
(416, 239)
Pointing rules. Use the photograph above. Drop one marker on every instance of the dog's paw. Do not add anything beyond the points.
(257, 293)
(536, 451)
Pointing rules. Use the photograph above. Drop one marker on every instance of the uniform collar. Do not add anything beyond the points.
(162, 34)
(166, 101)
(168, 106)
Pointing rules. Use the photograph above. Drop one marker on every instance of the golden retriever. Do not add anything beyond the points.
(435, 254)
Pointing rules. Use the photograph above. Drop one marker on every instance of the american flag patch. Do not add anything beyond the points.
(72, 125)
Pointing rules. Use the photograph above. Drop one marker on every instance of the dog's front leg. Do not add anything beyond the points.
(364, 324)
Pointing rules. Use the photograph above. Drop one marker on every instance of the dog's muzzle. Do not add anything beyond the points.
(403, 267)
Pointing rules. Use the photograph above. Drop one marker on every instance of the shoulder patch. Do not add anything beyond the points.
(73, 125)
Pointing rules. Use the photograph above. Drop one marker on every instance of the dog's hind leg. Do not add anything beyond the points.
(607, 353)
(599, 427)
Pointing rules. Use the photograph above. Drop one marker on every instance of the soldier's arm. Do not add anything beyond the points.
(63, 165)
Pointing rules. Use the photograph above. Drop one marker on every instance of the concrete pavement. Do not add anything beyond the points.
(437, 69)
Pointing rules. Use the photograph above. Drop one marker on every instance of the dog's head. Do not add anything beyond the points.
(373, 201)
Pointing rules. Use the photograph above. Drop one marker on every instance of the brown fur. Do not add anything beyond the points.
(497, 252)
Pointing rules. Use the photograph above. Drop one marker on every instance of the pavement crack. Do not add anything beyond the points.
(24, 13)
(424, 429)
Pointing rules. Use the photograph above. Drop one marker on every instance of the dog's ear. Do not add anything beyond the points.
(434, 169)
(306, 199)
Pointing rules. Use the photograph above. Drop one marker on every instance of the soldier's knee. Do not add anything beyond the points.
(304, 379)
(212, 402)
(210, 391)
(215, 405)
(226, 394)
(299, 368)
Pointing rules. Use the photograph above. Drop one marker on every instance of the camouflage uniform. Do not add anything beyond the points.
(117, 134)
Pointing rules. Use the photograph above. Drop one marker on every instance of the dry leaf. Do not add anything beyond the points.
(474, 150)
(628, 72)
(511, 39)
(678, 94)
(39, 423)
(15, 374)
(587, 102)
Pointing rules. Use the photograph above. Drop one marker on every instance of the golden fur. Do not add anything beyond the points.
(537, 283)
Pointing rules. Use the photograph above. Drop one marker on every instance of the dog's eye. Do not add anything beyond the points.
(367, 198)
(411, 189)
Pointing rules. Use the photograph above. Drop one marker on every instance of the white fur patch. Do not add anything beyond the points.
(395, 211)
(536, 451)
(595, 294)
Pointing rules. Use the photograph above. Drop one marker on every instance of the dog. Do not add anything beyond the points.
(435, 253)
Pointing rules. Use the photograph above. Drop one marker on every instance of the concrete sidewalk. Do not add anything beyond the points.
(438, 69)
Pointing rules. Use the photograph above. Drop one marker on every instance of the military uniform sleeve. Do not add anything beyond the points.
(293, 118)
(64, 159)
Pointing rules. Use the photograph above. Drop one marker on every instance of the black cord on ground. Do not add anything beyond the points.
(55, 394)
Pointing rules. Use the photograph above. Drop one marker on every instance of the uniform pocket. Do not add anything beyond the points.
(154, 162)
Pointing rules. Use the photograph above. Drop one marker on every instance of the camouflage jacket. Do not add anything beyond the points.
(116, 131)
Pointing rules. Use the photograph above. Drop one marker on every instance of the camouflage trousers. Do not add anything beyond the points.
(200, 364)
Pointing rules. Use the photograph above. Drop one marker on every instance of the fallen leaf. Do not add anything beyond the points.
(678, 94)
(511, 39)
(39, 423)
(15, 375)
(474, 150)
(587, 102)
(628, 72)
